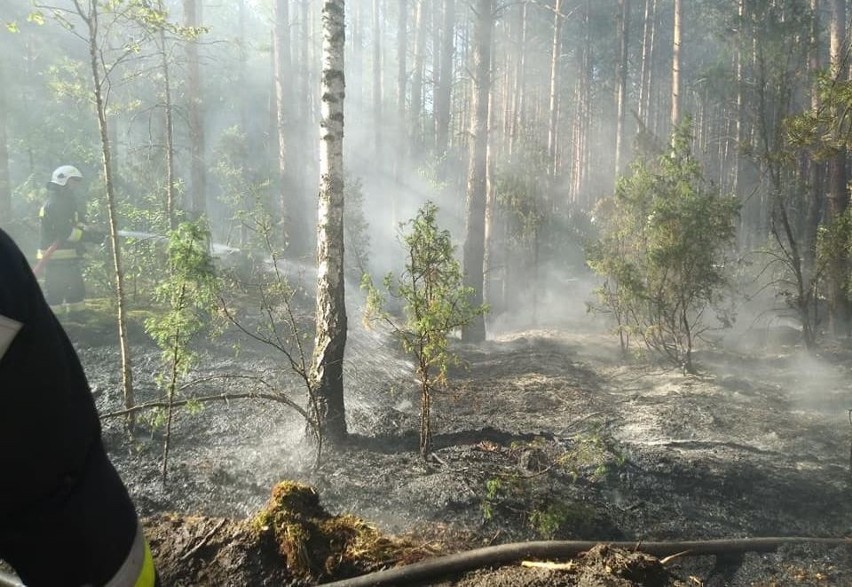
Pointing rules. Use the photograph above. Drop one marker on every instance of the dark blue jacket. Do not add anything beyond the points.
(48, 419)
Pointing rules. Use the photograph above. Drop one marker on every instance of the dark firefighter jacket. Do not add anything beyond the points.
(61, 223)
(44, 394)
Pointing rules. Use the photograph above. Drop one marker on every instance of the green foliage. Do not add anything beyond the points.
(521, 187)
(244, 191)
(187, 298)
(531, 496)
(435, 304)
(664, 237)
(356, 229)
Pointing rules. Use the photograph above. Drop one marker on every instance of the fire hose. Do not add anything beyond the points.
(45, 257)
(458, 563)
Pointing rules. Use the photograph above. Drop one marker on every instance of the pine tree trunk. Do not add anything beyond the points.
(416, 113)
(474, 243)
(377, 97)
(582, 119)
(399, 154)
(295, 219)
(621, 85)
(677, 63)
(195, 114)
(443, 92)
(331, 321)
(517, 122)
(838, 195)
(168, 114)
(556, 51)
(648, 35)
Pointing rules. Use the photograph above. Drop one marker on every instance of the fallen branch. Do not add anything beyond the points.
(458, 563)
(222, 397)
(204, 540)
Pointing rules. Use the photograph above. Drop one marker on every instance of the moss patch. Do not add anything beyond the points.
(318, 545)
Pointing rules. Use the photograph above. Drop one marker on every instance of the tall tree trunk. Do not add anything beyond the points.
(416, 113)
(356, 62)
(195, 113)
(378, 123)
(294, 218)
(621, 85)
(401, 96)
(648, 35)
(582, 118)
(556, 51)
(443, 93)
(100, 87)
(331, 321)
(517, 122)
(5, 183)
(814, 200)
(837, 189)
(677, 63)
(401, 60)
(474, 243)
(168, 114)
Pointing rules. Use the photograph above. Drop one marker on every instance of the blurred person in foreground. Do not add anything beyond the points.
(63, 234)
(66, 518)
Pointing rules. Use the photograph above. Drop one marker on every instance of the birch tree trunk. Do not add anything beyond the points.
(331, 322)
(474, 243)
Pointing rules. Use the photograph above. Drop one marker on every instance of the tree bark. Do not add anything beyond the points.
(474, 243)
(443, 92)
(416, 113)
(837, 191)
(168, 115)
(90, 17)
(677, 64)
(621, 85)
(331, 321)
(648, 36)
(556, 51)
(294, 217)
(378, 123)
(195, 114)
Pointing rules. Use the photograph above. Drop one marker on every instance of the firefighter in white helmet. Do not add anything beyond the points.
(66, 518)
(63, 232)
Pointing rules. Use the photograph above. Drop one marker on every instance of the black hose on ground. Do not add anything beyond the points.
(461, 562)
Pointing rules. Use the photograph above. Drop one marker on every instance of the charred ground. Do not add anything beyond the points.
(542, 434)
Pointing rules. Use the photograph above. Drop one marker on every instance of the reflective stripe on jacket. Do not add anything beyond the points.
(59, 254)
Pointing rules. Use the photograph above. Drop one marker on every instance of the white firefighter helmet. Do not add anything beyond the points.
(62, 173)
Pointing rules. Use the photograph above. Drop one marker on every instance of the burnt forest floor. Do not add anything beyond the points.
(543, 433)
